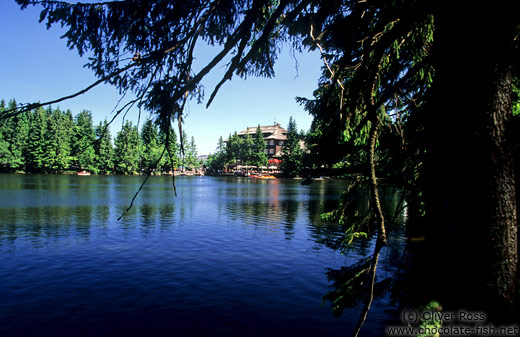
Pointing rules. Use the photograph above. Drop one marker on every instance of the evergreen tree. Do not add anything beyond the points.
(292, 151)
(183, 150)
(83, 145)
(49, 151)
(103, 148)
(233, 148)
(170, 160)
(259, 154)
(126, 151)
(218, 160)
(57, 147)
(192, 157)
(16, 132)
(5, 154)
(221, 146)
(64, 124)
(150, 149)
(247, 150)
(35, 150)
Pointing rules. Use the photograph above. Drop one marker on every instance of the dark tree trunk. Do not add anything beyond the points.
(470, 181)
(503, 234)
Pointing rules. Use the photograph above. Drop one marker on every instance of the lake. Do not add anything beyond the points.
(225, 257)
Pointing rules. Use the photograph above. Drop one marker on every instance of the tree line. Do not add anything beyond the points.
(252, 151)
(54, 141)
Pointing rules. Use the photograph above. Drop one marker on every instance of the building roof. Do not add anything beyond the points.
(269, 132)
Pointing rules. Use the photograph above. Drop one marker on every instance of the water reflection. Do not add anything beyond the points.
(227, 256)
(71, 205)
(356, 285)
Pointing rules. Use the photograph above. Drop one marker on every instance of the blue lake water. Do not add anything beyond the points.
(226, 257)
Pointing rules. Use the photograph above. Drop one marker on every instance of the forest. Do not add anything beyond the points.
(54, 141)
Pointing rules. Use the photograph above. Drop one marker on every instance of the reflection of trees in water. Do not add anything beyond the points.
(102, 215)
(148, 214)
(349, 284)
(331, 221)
(332, 233)
(290, 209)
(165, 214)
(358, 283)
(279, 205)
(40, 225)
(157, 216)
(268, 205)
(42, 208)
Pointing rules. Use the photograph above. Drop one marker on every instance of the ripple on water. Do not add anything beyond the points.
(226, 257)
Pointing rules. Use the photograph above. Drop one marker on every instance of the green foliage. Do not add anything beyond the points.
(58, 138)
(350, 286)
(221, 146)
(247, 150)
(4, 152)
(53, 141)
(17, 134)
(103, 148)
(218, 160)
(188, 154)
(11, 157)
(150, 148)
(171, 158)
(259, 157)
(126, 151)
(516, 95)
(4, 144)
(353, 214)
(83, 145)
(233, 148)
(192, 157)
(431, 322)
(35, 150)
(292, 153)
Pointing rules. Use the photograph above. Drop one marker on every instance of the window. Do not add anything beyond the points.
(266, 151)
(271, 151)
(271, 142)
(280, 142)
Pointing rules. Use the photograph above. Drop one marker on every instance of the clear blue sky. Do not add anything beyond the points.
(36, 65)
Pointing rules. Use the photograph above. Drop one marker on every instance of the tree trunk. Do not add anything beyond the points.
(470, 182)
(503, 235)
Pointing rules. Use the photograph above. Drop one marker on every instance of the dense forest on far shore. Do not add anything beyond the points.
(54, 141)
